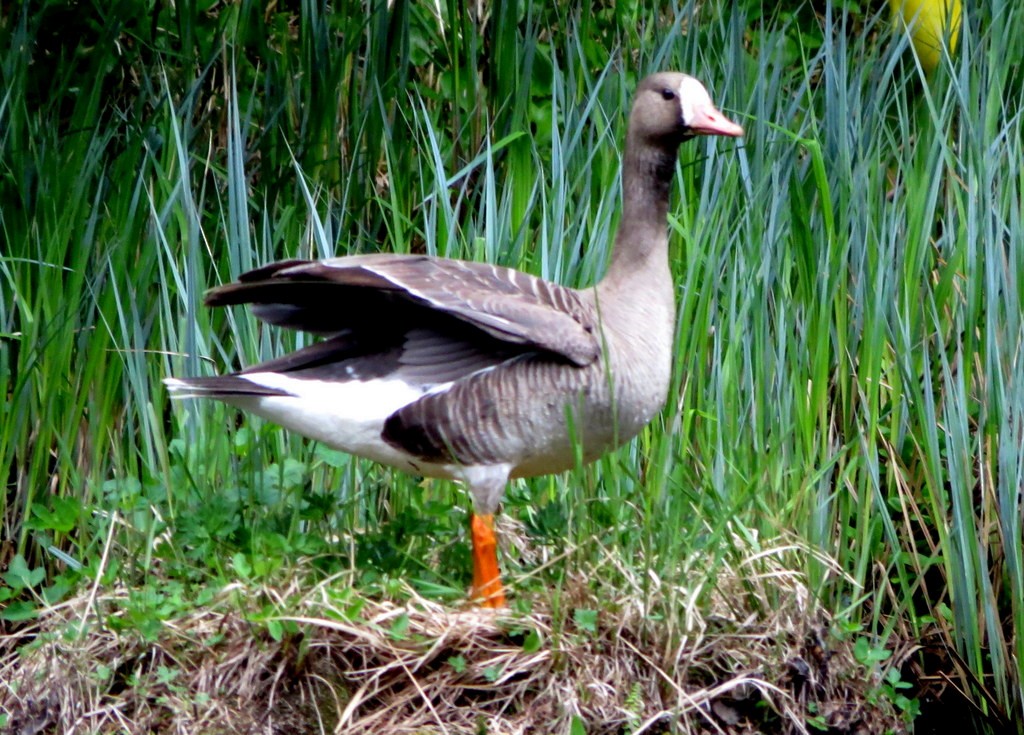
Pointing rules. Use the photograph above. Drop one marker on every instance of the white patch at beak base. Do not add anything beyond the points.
(700, 115)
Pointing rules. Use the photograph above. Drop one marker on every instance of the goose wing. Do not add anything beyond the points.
(355, 293)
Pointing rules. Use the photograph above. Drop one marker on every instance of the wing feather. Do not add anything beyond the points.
(339, 294)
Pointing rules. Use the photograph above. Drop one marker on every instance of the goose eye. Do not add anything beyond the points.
(668, 94)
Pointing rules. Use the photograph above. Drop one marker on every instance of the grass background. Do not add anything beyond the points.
(848, 374)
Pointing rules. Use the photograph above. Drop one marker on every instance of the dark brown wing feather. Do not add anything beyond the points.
(419, 356)
(333, 296)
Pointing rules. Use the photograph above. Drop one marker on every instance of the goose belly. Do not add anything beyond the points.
(537, 417)
(587, 426)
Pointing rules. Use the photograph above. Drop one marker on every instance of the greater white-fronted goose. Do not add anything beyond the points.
(474, 372)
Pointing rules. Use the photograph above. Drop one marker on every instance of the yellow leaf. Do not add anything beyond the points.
(930, 23)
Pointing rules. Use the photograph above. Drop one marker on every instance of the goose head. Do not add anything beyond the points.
(670, 107)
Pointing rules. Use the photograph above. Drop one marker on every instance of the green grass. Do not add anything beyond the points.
(848, 370)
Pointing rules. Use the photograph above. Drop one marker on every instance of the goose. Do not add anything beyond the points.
(474, 372)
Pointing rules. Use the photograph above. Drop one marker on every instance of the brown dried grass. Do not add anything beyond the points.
(755, 658)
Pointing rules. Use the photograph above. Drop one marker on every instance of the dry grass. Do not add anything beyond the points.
(758, 660)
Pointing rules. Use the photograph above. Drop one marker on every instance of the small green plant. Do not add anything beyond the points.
(891, 688)
(869, 653)
(894, 689)
(399, 628)
(532, 641)
(815, 719)
(586, 620)
(634, 706)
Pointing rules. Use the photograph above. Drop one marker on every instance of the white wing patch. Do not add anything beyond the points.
(350, 400)
(348, 416)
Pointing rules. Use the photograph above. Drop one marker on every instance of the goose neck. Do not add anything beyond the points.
(647, 173)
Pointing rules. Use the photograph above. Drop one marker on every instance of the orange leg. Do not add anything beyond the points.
(487, 587)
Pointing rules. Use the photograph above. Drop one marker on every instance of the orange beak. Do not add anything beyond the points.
(709, 121)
